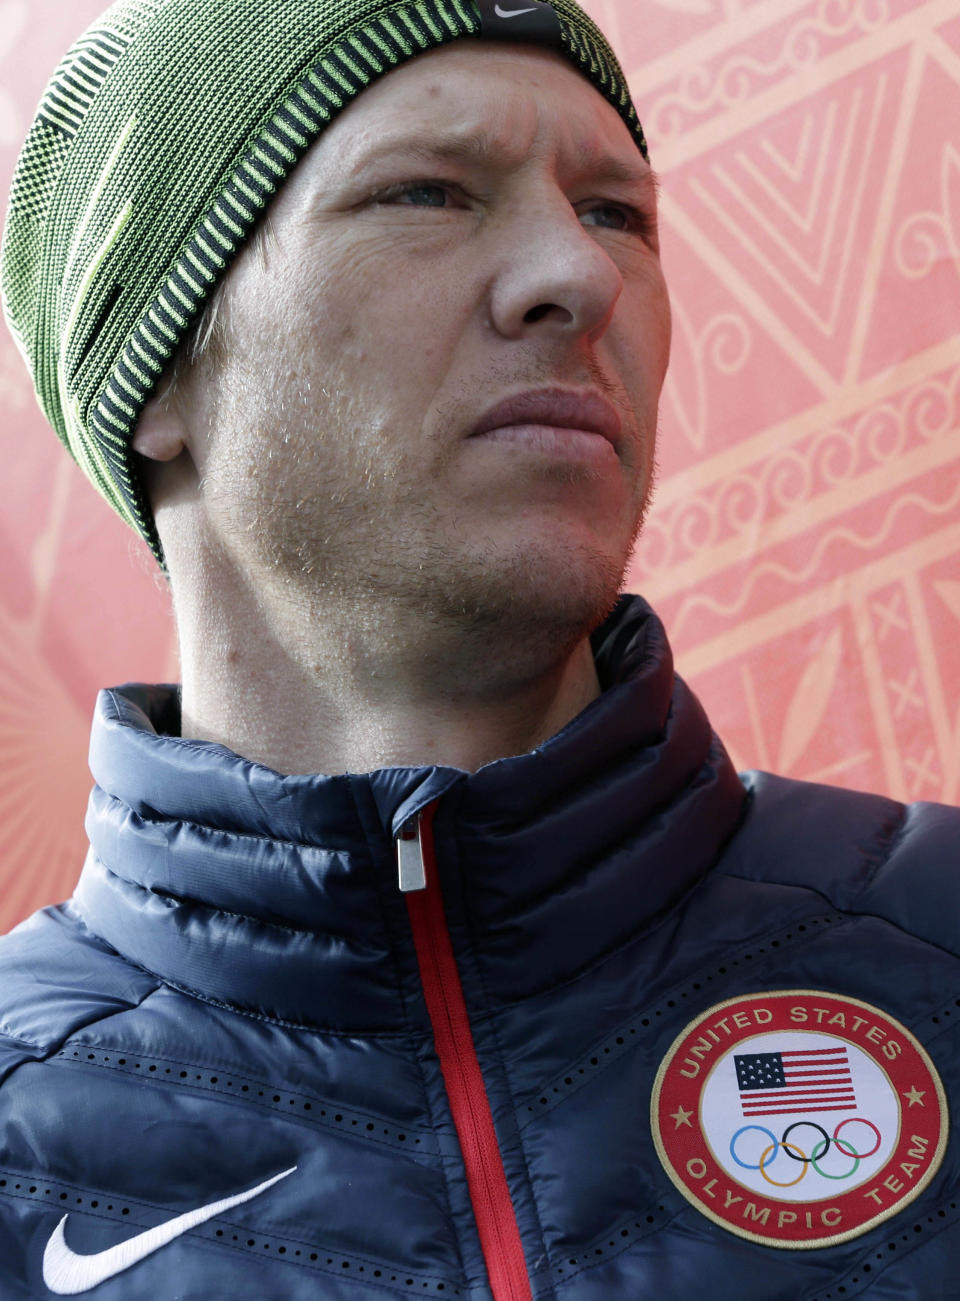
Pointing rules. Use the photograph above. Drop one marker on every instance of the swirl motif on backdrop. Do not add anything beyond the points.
(724, 344)
(924, 418)
(800, 574)
(929, 238)
(703, 90)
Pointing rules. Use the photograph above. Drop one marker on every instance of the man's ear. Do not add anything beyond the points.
(164, 460)
(160, 434)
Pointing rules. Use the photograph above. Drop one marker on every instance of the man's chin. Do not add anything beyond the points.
(534, 597)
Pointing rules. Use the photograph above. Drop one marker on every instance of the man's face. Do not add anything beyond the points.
(477, 226)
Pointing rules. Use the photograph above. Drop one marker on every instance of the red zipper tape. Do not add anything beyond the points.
(467, 1093)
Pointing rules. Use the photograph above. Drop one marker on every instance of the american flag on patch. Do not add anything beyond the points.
(808, 1079)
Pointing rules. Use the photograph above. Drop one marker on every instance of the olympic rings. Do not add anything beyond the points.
(863, 1121)
(796, 1153)
(841, 1143)
(776, 1182)
(733, 1143)
(797, 1125)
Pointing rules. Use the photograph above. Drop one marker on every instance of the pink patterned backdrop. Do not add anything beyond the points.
(803, 550)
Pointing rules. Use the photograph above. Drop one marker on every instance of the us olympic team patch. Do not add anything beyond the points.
(797, 1118)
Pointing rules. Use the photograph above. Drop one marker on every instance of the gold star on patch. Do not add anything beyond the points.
(680, 1117)
(915, 1097)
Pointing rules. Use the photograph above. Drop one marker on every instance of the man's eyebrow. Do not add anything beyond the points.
(615, 171)
(479, 146)
(429, 145)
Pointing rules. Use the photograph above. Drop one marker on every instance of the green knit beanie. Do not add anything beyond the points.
(155, 151)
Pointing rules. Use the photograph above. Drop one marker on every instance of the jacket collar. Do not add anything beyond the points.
(278, 894)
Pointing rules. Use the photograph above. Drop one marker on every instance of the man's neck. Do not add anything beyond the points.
(348, 694)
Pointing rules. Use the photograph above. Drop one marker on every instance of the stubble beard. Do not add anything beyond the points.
(473, 613)
(364, 559)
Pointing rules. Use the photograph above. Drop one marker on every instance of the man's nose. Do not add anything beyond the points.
(555, 278)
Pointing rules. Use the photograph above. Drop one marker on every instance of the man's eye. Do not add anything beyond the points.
(617, 216)
(425, 194)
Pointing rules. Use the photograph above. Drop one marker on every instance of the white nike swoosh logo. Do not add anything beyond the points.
(513, 13)
(67, 1274)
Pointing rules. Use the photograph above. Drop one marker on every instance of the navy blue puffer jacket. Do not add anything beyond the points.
(635, 1028)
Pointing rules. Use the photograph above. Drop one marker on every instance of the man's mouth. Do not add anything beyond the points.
(538, 418)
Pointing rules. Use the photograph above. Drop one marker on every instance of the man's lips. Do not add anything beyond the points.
(557, 409)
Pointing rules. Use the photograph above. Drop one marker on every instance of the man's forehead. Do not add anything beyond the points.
(482, 105)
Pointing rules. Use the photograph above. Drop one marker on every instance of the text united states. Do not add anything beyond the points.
(809, 1079)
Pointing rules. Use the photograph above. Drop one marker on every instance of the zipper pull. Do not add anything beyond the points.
(410, 865)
